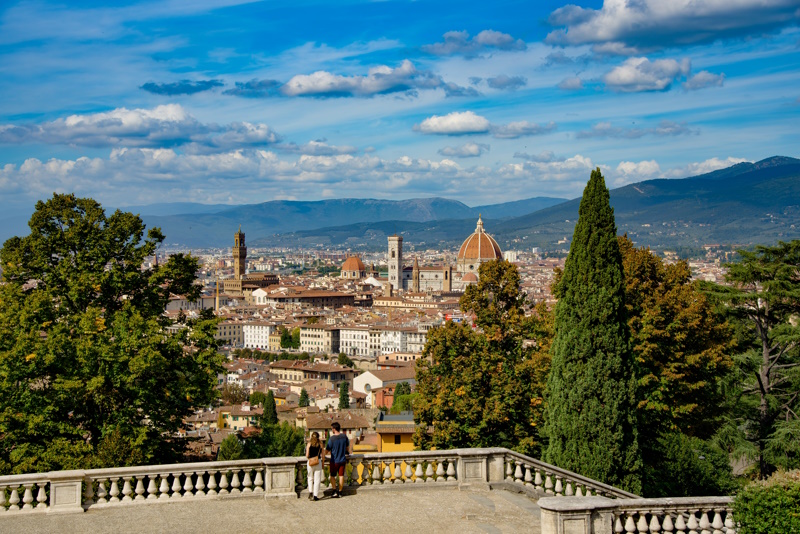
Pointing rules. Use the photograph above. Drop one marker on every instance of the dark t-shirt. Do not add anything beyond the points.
(338, 445)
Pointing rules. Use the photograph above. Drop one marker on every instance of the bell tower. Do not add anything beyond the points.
(239, 254)
(395, 261)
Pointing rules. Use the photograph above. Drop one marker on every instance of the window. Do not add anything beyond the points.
(397, 439)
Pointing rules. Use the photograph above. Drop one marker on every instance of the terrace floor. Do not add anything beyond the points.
(412, 509)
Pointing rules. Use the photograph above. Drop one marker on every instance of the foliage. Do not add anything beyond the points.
(233, 394)
(403, 388)
(404, 403)
(290, 339)
(270, 414)
(258, 397)
(681, 347)
(230, 448)
(243, 353)
(762, 299)
(276, 441)
(345, 360)
(769, 506)
(591, 419)
(484, 388)
(344, 396)
(84, 352)
(303, 401)
(677, 465)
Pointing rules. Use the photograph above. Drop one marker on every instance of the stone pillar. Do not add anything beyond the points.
(65, 492)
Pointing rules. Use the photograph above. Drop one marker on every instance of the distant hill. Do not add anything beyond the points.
(265, 220)
(748, 203)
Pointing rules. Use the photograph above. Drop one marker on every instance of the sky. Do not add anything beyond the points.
(238, 101)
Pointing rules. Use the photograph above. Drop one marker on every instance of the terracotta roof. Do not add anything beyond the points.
(390, 375)
(353, 263)
(346, 420)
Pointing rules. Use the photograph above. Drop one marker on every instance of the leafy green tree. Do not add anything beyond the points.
(295, 344)
(344, 396)
(484, 388)
(404, 403)
(286, 338)
(230, 448)
(233, 394)
(258, 397)
(85, 358)
(345, 360)
(403, 388)
(762, 297)
(276, 441)
(303, 401)
(270, 414)
(591, 418)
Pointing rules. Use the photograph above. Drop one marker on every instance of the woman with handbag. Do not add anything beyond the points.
(316, 461)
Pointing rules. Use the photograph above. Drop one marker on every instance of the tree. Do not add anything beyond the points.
(258, 397)
(344, 396)
(276, 441)
(295, 344)
(230, 448)
(680, 345)
(303, 401)
(763, 298)
(286, 339)
(270, 414)
(233, 394)
(591, 419)
(403, 388)
(483, 388)
(404, 403)
(344, 360)
(85, 357)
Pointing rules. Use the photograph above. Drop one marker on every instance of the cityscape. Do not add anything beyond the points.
(510, 267)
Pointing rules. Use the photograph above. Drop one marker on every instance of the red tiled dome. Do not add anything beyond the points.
(353, 263)
(480, 246)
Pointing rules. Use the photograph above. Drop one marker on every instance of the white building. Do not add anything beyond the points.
(256, 334)
(354, 340)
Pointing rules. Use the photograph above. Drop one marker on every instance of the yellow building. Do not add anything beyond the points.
(395, 432)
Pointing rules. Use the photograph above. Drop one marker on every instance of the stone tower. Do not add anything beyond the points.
(415, 277)
(239, 254)
(395, 261)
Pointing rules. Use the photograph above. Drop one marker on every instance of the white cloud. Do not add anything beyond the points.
(459, 42)
(508, 83)
(515, 130)
(665, 128)
(703, 167)
(640, 74)
(455, 123)
(704, 79)
(630, 171)
(467, 150)
(167, 125)
(572, 83)
(546, 156)
(317, 148)
(626, 25)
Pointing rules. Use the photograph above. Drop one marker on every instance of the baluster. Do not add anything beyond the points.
(247, 482)
(200, 485)
(409, 472)
(717, 523)
(548, 483)
(177, 486)
(41, 497)
(88, 492)
(376, 473)
(102, 493)
(188, 485)
(618, 528)
(398, 473)
(518, 475)
(114, 491)
(14, 500)
(140, 488)
(235, 484)
(212, 483)
(559, 487)
(259, 482)
(152, 488)
(163, 488)
(705, 524)
(418, 474)
(692, 523)
(630, 526)
(223, 483)
(528, 476)
(27, 497)
(387, 474)
(578, 490)
(127, 491)
(654, 526)
(537, 480)
(641, 525)
(429, 473)
(509, 471)
(569, 492)
(667, 524)
(439, 470)
(730, 525)
(680, 524)
(451, 470)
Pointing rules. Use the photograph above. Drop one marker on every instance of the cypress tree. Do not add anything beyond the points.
(270, 414)
(591, 391)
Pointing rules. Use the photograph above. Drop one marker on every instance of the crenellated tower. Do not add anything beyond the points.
(239, 254)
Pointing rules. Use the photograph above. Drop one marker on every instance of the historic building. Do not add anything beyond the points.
(243, 284)
(353, 269)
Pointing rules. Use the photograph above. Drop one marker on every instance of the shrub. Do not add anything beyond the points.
(770, 506)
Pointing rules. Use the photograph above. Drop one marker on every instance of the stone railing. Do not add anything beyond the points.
(599, 515)
(80, 490)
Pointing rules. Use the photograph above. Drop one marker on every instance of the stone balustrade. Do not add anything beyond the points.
(600, 515)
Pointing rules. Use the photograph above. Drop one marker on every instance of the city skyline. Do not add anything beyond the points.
(243, 102)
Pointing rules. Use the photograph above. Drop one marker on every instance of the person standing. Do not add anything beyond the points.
(339, 447)
(316, 461)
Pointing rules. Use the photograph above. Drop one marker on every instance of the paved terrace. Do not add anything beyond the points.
(462, 490)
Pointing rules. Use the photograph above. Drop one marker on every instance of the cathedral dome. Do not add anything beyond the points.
(479, 247)
(353, 263)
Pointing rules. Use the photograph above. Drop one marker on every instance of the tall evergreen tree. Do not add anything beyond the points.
(270, 414)
(304, 401)
(344, 396)
(590, 399)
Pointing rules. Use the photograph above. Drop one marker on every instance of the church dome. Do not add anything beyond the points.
(480, 246)
(353, 263)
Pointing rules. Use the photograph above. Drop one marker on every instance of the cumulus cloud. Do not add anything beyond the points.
(638, 74)
(515, 130)
(183, 87)
(167, 125)
(467, 150)
(665, 128)
(459, 42)
(703, 167)
(255, 89)
(455, 123)
(704, 79)
(507, 83)
(648, 24)
(572, 83)
(317, 148)
(546, 156)
(629, 171)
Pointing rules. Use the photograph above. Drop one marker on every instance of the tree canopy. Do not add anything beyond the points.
(85, 357)
(344, 396)
(591, 419)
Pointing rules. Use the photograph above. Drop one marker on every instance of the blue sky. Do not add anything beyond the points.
(232, 101)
